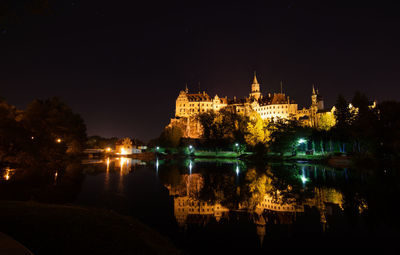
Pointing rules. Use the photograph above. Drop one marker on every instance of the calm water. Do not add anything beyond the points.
(216, 206)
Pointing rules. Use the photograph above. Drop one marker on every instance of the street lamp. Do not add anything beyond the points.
(191, 148)
(301, 141)
(304, 179)
(237, 147)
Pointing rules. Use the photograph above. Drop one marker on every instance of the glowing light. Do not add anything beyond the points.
(7, 174)
(237, 169)
(123, 162)
(108, 164)
(190, 166)
(123, 151)
(236, 144)
(157, 148)
(301, 141)
(108, 149)
(303, 177)
(157, 164)
(32, 137)
(58, 140)
(190, 147)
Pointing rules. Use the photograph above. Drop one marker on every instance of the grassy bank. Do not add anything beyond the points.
(62, 229)
(217, 154)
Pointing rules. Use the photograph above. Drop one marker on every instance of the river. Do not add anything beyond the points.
(218, 206)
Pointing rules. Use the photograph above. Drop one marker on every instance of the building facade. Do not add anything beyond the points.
(270, 107)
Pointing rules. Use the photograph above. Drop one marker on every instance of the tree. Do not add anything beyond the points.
(285, 136)
(256, 131)
(40, 138)
(171, 136)
(55, 126)
(344, 118)
(363, 123)
(342, 112)
(387, 130)
(98, 142)
(13, 137)
(224, 125)
(326, 121)
(207, 122)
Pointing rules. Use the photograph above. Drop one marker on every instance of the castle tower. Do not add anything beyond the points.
(313, 97)
(255, 88)
(313, 108)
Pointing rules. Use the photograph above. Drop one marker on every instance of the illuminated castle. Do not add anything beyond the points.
(271, 107)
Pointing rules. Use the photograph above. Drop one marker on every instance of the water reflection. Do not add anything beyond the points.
(7, 174)
(262, 195)
(107, 177)
(119, 167)
(200, 195)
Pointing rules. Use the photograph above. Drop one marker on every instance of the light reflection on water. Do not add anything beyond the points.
(264, 201)
(6, 174)
(198, 198)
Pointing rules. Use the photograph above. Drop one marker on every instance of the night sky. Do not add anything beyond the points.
(121, 64)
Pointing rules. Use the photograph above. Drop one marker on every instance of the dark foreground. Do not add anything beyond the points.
(61, 229)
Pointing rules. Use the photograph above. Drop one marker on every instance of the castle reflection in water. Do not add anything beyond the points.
(215, 192)
(264, 203)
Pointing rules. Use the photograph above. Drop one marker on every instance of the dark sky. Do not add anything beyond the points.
(121, 64)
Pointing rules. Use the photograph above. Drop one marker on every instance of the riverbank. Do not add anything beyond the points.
(67, 229)
(334, 160)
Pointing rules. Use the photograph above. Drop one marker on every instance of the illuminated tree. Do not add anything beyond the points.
(257, 131)
(326, 121)
(225, 124)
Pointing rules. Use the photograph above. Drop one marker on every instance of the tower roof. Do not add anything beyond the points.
(255, 78)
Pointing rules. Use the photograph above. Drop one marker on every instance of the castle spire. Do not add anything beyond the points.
(255, 78)
(186, 89)
(313, 90)
(255, 88)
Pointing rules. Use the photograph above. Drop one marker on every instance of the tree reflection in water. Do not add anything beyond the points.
(211, 198)
(294, 195)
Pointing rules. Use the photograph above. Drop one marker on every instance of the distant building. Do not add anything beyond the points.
(124, 146)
